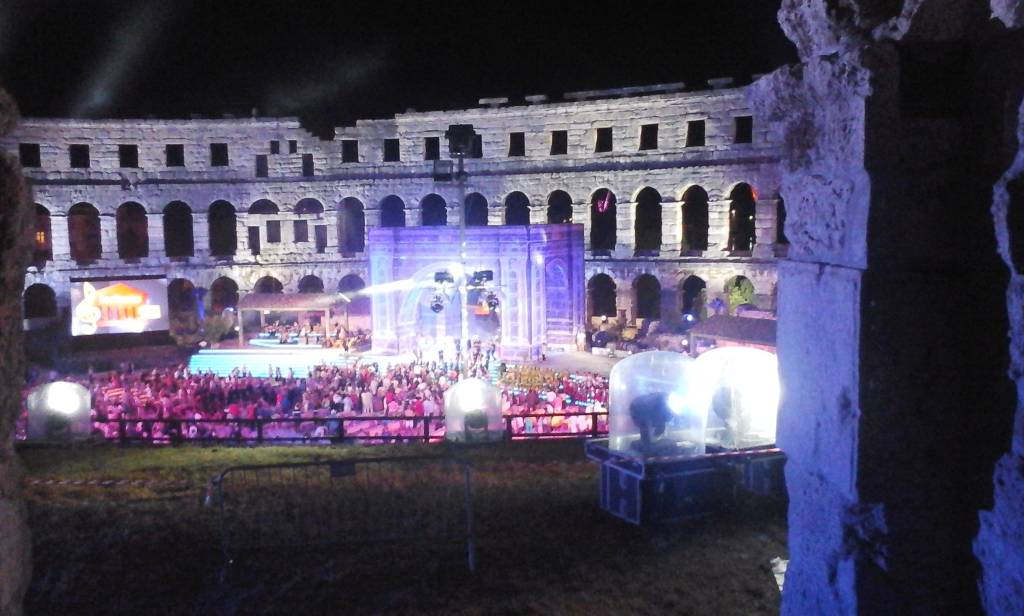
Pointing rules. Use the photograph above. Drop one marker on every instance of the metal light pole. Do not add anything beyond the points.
(460, 142)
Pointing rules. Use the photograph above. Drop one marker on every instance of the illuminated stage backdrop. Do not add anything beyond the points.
(538, 281)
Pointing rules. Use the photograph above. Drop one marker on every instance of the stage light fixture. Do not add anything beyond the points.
(443, 277)
(437, 303)
(492, 301)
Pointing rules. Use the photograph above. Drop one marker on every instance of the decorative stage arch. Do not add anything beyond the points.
(538, 280)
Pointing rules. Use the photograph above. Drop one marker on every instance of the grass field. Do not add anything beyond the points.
(150, 546)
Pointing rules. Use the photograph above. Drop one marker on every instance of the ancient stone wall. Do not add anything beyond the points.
(717, 165)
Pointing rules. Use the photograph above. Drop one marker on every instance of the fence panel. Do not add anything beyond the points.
(421, 499)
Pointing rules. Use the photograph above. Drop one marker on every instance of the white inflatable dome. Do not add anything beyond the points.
(472, 412)
(739, 388)
(59, 411)
(651, 411)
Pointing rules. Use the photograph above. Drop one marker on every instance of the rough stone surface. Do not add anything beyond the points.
(895, 420)
(15, 222)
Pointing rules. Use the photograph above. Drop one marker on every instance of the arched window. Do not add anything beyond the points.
(647, 226)
(311, 284)
(392, 212)
(351, 226)
(602, 221)
(265, 207)
(476, 210)
(693, 296)
(42, 242)
(741, 218)
(309, 207)
(132, 231)
(181, 296)
(39, 302)
(268, 284)
(739, 291)
(434, 211)
(84, 233)
(517, 209)
(559, 208)
(648, 296)
(601, 296)
(178, 230)
(223, 294)
(695, 219)
(223, 230)
(350, 285)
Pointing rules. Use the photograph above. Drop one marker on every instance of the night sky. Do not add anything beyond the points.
(333, 62)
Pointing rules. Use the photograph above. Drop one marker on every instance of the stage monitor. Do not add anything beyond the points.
(122, 306)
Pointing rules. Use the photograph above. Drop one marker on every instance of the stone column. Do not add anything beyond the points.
(625, 234)
(108, 236)
(60, 239)
(155, 229)
(16, 215)
(764, 228)
(718, 228)
(538, 214)
(201, 234)
(495, 215)
(371, 218)
(581, 215)
(413, 216)
(671, 228)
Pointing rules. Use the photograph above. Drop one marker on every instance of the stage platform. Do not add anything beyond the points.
(298, 358)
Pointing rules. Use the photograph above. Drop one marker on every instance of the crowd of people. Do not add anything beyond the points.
(335, 336)
(363, 402)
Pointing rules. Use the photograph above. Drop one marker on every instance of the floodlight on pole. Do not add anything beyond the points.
(460, 144)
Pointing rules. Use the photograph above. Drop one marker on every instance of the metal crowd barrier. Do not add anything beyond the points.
(416, 499)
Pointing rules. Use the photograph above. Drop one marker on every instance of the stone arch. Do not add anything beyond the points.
(181, 296)
(476, 210)
(359, 304)
(392, 211)
(132, 231)
(739, 290)
(602, 221)
(223, 294)
(517, 209)
(559, 208)
(434, 211)
(601, 296)
(264, 207)
(695, 219)
(311, 284)
(84, 233)
(268, 284)
(42, 240)
(742, 211)
(222, 222)
(39, 302)
(309, 207)
(647, 296)
(351, 226)
(693, 296)
(647, 222)
(178, 239)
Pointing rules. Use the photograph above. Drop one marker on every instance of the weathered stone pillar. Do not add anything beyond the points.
(108, 236)
(538, 214)
(894, 414)
(671, 228)
(718, 228)
(625, 234)
(60, 239)
(155, 229)
(16, 215)
(581, 215)
(764, 228)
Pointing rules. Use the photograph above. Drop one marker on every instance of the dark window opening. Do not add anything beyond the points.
(351, 226)
(320, 235)
(275, 147)
(254, 240)
(392, 212)
(79, 154)
(517, 144)
(476, 210)
(311, 284)
(261, 166)
(434, 211)
(432, 148)
(132, 232)
(223, 293)
(222, 230)
(694, 296)
(649, 137)
(742, 209)
(601, 293)
(273, 231)
(602, 221)
(559, 142)
(694, 133)
(128, 156)
(391, 151)
(477, 150)
(40, 302)
(308, 169)
(517, 209)
(647, 227)
(293, 146)
(175, 154)
(268, 284)
(301, 231)
(695, 220)
(218, 155)
(28, 154)
(178, 241)
(84, 233)
(604, 141)
(349, 151)
(648, 297)
(744, 129)
(559, 208)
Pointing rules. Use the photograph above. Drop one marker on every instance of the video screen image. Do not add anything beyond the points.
(118, 306)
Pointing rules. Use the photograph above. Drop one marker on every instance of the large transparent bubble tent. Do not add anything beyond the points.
(59, 411)
(472, 412)
(740, 388)
(652, 411)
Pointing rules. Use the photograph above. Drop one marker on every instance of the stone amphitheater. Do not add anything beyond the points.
(678, 191)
